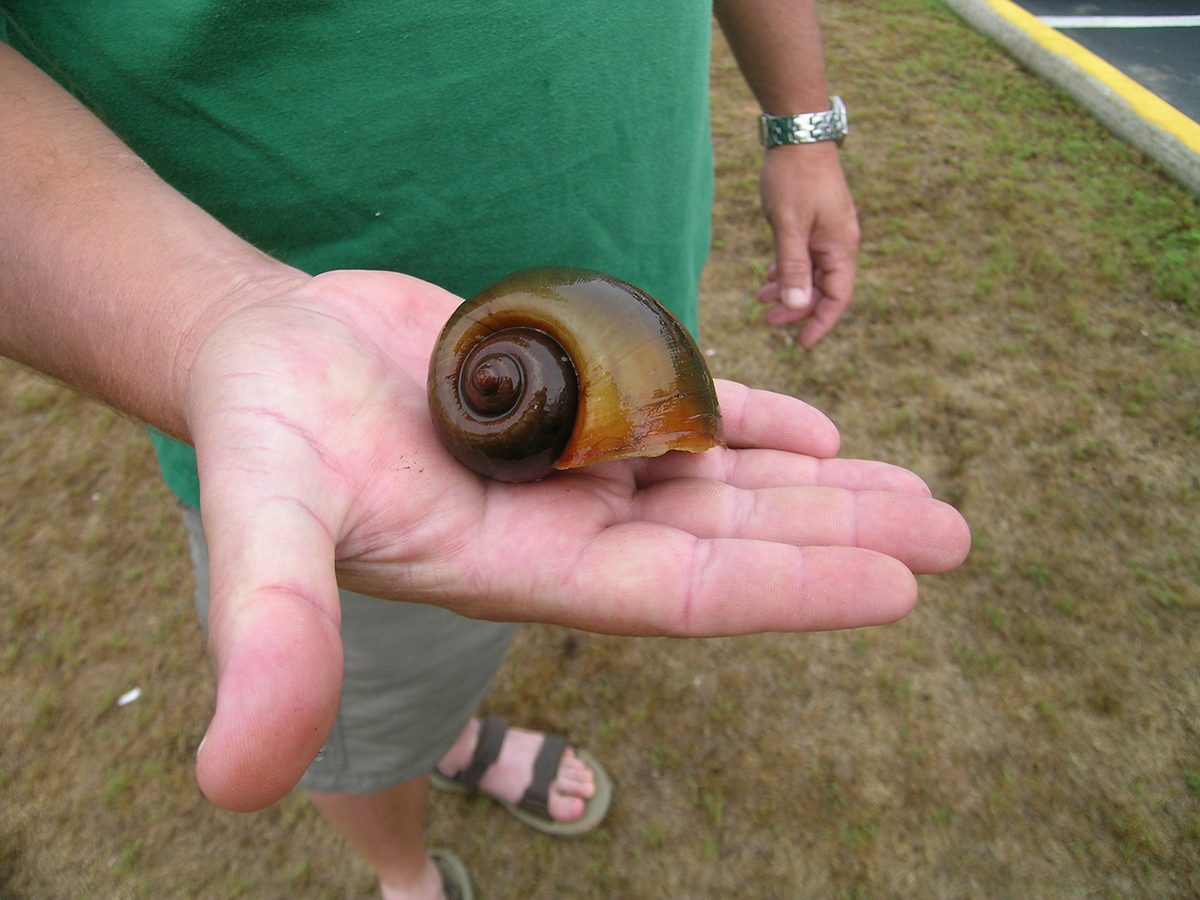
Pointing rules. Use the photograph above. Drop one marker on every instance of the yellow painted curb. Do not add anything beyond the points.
(1149, 106)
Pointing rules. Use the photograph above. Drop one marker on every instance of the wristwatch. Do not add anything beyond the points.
(806, 128)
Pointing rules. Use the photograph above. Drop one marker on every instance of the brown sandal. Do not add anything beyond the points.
(533, 807)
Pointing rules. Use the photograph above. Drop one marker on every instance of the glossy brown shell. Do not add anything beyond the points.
(643, 387)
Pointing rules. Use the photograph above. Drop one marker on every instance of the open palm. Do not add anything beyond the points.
(319, 466)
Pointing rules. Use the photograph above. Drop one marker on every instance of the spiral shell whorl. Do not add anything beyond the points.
(515, 397)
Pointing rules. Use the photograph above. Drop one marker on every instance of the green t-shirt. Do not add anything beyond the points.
(453, 141)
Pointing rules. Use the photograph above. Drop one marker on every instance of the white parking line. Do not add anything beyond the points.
(1121, 21)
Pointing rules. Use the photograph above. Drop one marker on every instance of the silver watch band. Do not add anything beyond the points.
(806, 128)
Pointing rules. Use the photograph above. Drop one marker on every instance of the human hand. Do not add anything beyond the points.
(810, 210)
(319, 465)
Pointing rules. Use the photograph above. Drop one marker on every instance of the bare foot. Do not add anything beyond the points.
(509, 776)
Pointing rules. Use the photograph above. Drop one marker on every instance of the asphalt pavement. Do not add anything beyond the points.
(1135, 64)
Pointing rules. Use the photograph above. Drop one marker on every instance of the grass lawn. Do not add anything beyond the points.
(1026, 337)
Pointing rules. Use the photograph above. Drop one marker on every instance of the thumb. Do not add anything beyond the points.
(794, 266)
(273, 631)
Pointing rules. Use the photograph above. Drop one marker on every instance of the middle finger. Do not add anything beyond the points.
(924, 534)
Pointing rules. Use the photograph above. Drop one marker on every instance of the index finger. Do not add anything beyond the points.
(834, 289)
(763, 419)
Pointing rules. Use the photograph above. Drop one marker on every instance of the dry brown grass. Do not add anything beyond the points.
(1026, 338)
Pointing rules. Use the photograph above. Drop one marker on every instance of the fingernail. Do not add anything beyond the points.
(200, 749)
(795, 298)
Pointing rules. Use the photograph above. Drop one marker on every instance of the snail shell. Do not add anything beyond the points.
(556, 368)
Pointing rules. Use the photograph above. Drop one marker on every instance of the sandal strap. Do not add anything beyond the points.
(536, 798)
(450, 887)
(487, 750)
(456, 881)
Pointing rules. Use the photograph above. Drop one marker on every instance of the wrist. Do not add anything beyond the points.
(230, 286)
(796, 163)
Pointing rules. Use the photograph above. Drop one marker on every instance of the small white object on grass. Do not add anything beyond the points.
(129, 696)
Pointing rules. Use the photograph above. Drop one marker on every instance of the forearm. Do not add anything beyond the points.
(777, 44)
(108, 276)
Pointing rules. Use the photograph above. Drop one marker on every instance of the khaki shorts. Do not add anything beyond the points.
(414, 675)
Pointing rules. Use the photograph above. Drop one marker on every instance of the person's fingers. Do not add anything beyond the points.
(700, 557)
(793, 268)
(755, 418)
(754, 468)
(925, 534)
(793, 589)
(273, 614)
(834, 292)
(781, 315)
(831, 299)
(768, 293)
(643, 578)
(279, 668)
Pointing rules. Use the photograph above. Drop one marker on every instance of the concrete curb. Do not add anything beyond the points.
(1121, 104)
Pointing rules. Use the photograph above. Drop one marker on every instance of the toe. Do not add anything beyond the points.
(575, 777)
(565, 808)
